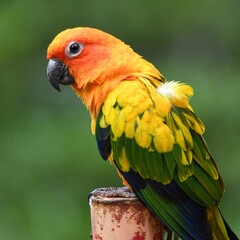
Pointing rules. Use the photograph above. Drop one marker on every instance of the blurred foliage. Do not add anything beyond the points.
(48, 157)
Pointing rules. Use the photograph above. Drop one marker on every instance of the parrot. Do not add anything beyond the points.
(146, 128)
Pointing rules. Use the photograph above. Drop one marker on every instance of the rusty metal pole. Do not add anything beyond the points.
(117, 214)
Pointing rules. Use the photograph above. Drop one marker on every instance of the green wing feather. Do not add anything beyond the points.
(162, 143)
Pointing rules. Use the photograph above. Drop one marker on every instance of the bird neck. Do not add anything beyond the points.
(95, 92)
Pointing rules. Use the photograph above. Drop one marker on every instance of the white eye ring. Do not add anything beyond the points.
(74, 49)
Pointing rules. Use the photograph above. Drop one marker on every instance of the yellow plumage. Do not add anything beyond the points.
(123, 161)
(136, 98)
(149, 115)
(163, 139)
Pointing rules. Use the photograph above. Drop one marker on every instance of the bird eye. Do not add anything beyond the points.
(74, 49)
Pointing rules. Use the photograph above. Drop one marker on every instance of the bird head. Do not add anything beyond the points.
(88, 59)
(86, 55)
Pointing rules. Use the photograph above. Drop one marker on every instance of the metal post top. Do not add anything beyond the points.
(116, 213)
(112, 195)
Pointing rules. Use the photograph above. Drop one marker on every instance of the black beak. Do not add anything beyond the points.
(58, 73)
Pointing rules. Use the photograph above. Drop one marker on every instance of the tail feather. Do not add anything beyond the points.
(220, 228)
(188, 219)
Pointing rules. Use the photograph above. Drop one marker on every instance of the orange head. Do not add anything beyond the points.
(89, 59)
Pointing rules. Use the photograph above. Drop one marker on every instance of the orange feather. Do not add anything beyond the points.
(93, 80)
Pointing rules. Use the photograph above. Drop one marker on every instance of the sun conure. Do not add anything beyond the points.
(147, 129)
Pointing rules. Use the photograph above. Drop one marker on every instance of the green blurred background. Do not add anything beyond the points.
(48, 158)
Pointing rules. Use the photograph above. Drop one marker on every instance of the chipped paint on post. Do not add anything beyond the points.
(117, 214)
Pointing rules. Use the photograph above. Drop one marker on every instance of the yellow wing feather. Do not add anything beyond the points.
(135, 98)
(159, 120)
